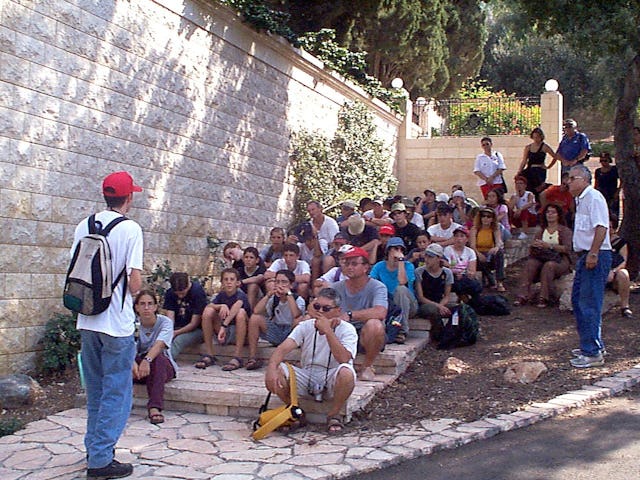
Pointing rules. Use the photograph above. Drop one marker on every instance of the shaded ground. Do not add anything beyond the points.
(424, 391)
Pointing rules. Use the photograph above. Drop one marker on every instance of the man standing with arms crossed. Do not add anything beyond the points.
(574, 146)
(592, 244)
(108, 346)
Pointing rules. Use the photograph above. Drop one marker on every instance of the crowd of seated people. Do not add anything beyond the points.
(422, 255)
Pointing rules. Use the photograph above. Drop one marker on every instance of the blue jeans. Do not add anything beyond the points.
(106, 362)
(587, 298)
(185, 340)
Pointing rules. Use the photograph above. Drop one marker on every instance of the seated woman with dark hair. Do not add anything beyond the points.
(154, 365)
(548, 256)
(485, 238)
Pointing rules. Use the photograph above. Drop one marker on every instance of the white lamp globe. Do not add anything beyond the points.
(397, 83)
(551, 85)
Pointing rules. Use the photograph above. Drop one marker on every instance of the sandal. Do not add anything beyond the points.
(234, 364)
(520, 301)
(400, 338)
(205, 361)
(157, 417)
(334, 424)
(500, 288)
(254, 364)
(542, 303)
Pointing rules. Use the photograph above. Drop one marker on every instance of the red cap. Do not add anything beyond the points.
(119, 184)
(387, 230)
(356, 252)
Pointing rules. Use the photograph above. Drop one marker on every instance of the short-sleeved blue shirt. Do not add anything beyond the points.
(570, 148)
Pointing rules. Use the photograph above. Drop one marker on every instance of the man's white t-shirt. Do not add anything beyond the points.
(126, 244)
(304, 335)
(328, 229)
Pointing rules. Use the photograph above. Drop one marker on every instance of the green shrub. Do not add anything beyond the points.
(354, 164)
(61, 343)
(9, 426)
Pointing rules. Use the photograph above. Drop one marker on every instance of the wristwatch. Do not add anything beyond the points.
(289, 293)
(148, 359)
(350, 313)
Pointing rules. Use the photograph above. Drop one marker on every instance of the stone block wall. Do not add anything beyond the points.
(197, 106)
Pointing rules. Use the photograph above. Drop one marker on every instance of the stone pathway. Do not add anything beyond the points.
(197, 446)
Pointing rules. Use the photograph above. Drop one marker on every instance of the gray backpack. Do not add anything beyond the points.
(88, 286)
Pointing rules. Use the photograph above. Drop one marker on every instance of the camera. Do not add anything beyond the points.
(315, 390)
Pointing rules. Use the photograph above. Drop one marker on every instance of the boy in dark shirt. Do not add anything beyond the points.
(226, 316)
(252, 274)
(184, 303)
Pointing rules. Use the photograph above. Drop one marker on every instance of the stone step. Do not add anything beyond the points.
(241, 392)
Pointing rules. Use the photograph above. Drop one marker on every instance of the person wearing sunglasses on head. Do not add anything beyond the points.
(328, 347)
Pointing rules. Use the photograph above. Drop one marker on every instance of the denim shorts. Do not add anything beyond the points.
(276, 334)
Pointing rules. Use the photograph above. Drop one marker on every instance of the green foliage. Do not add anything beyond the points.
(352, 65)
(482, 111)
(9, 426)
(61, 343)
(264, 18)
(353, 164)
(158, 280)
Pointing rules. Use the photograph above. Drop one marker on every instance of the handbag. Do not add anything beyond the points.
(545, 254)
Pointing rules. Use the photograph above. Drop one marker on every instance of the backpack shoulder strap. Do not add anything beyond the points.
(91, 222)
(112, 224)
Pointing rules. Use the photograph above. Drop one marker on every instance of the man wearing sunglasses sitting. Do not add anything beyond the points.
(328, 347)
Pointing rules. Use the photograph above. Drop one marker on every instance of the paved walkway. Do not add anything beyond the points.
(197, 446)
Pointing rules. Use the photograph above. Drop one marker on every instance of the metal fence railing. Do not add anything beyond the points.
(486, 116)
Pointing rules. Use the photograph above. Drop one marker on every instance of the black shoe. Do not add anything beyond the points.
(114, 470)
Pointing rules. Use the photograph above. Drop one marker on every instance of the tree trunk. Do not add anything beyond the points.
(628, 165)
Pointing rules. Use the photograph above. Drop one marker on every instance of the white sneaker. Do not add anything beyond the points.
(587, 362)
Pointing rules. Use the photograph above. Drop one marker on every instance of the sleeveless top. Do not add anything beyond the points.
(485, 240)
(551, 238)
(536, 158)
(522, 201)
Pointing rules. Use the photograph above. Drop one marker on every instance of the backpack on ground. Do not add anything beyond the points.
(269, 420)
(461, 330)
(88, 286)
(490, 305)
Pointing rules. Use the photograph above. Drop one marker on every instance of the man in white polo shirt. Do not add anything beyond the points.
(592, 244)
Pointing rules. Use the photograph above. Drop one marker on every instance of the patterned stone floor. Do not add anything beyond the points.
(197, 446)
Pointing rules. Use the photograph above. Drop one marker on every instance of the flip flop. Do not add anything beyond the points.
(234, 364)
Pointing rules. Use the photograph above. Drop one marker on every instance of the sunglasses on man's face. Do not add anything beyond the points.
(323, 308)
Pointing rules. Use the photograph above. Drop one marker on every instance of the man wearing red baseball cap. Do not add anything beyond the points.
(108, 347)
(365, 302)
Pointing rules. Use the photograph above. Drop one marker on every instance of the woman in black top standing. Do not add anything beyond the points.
(532, 166)
(607, 183)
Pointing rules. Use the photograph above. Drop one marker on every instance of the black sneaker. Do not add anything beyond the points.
(114, 470)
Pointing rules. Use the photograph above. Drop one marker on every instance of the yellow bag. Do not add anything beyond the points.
(269, 420)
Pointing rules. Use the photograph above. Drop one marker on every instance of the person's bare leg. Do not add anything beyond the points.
(257, 323)
(209, 318)
(623, 284)
(345, 383)
(241, 332)
(372, 339)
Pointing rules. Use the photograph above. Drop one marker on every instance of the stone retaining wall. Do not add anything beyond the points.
(197, 106)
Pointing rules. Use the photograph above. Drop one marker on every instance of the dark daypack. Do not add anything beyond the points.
(88, 286)
(461, 330)
(490, 305)
(392, 323)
